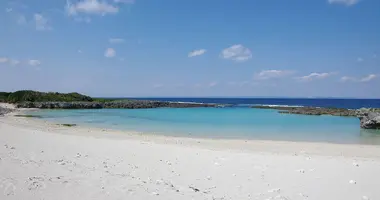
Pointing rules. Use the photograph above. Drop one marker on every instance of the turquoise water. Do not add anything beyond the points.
(231, 123)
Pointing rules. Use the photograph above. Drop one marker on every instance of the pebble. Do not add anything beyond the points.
(365, 198)
(274, 190)
(352, 182)
(301, 171)
(303, 195)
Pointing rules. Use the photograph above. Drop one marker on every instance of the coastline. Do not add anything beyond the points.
(273, 146)
(40, 160)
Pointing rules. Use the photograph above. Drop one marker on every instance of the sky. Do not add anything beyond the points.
(192, 48)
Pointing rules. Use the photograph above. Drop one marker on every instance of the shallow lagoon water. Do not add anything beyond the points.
(227, 123)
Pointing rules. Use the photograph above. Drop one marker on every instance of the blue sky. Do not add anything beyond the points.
(292, 48)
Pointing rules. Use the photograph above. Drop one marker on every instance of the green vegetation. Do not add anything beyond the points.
(31, 116)
(103, 100)
(34, 96)
(4, 96)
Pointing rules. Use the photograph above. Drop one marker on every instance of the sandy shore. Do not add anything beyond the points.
(39, 160)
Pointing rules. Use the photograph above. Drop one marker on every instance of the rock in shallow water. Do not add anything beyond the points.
(369, 119)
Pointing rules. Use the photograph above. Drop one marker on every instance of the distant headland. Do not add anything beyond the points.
(55, 100)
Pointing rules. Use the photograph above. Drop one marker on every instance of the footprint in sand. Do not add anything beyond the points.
(35, 183)
(8, 186)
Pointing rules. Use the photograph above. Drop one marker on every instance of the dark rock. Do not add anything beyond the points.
(368, 118)
(68, 125)
(127, 104)
(311, 110)
(60, 105)
(29, 116)
(4, 111)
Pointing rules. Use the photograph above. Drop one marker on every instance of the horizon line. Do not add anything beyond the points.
(245, 97)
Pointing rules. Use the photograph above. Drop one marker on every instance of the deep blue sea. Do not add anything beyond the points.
(313, 102)
(238, 122)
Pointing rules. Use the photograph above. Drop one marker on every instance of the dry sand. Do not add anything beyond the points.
(39, 160)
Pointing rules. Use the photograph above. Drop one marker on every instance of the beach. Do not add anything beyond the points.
(41, 160)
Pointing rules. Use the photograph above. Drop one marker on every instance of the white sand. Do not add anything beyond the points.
(42, 161)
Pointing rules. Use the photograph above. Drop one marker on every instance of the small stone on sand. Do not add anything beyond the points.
(274, 190)
(352, 182)
(301, 171)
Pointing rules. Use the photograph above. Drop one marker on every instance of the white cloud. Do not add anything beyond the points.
(368, 78)
(314, 76)
(363, 79)
(110, 53)
(14, 62)
(237, 53)
(344, 2)
(116, 40)
(90, 7)
(347, 78)
(196, 53)
(42, 24)
(125, 1)
(34, 62)
(360, 59)
(10, 61)
(4, 60)
(268, 74)
(213, 84)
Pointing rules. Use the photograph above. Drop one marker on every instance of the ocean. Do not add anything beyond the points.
(237, 122)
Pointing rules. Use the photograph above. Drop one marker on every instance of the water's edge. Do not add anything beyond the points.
(217, 123)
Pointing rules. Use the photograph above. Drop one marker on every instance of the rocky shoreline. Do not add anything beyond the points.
(312, 110)
(129, 104)
(369, 117)
(4, 111)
